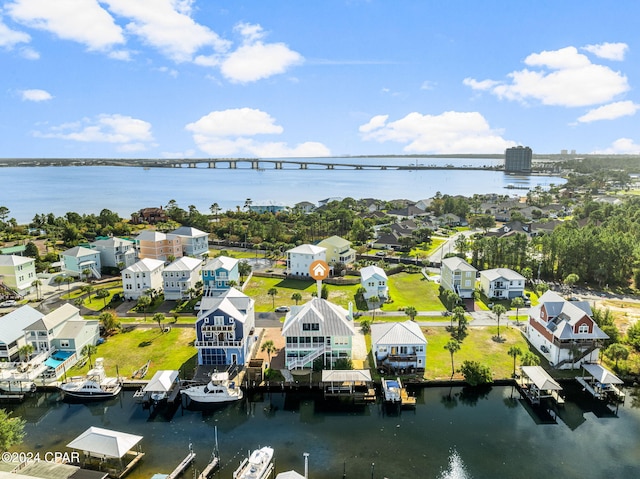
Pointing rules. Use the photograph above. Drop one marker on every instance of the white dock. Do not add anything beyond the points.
(183, 465)
(536, 384)
(601, 383)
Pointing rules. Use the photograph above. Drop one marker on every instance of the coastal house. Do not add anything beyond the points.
(317, 329)
(17, 273)
(564, 331)
(399, 346)
(62, 330)
(502, 283)
(267, 207)
(180, 278)
(305, 207)
(141, 276)
(338, 250)
(158, 246)
(300, 258)
(374, 280)
(458, 276)
(224, 328)
(116, 252)
(219, 272)
(78, 260)
(149, 215)
(195, 243)
(12, 327)
(387, 241)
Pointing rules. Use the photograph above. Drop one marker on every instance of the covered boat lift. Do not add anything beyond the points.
(536, 384)
(600, 382)
(105, 449)
(164, 385)
(355, 384)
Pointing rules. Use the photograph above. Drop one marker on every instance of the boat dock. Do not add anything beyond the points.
(354, 385)
(183, 465)
(601, 383)
(213, 464)
(536, 384)
(395, 393)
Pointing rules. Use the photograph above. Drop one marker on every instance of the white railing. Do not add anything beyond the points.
(316, 353)
(218, 344)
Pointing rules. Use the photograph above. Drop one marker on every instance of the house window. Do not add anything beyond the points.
(310, 327)
(218, 320)
(583, 329)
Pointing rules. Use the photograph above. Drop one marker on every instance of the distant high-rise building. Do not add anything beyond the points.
(518, 159)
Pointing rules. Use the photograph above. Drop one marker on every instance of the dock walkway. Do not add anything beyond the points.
(182, 466)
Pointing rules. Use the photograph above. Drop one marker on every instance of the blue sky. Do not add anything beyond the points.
(270, 78)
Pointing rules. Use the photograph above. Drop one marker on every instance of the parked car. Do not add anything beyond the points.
(283, 309)
(8, 303)
(381, 253)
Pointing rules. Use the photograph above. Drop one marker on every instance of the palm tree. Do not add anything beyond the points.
(88, 351)
(59, 280)
(456, 314)
(517, 302)
(244, 269)
(529, 359)
(88, 289)
(453, 346)
(215, 209)
(159, 318)
(36, 283)
(86, 272)
(411, 312)
(269, 348)
(514, 352)
(616, 351)
(25, 352)
(103, 293)
(144, 302)
(68, 280)
(79, 301)
(498, 310)
(109, 321)
(296, 297)
(273, 292)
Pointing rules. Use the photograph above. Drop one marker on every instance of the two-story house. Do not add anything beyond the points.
(219, 272)
(194, 242)
(338, 250)
(300, 258)
(317, 329)
(141, 276)
(116, 252)
(374, 280)
(502, 283)
(180, 278)
(458, 276)
(399, 346)
(224, 328)
(78, 260)
(17, 273)
(564, 331)
(160, 246)
(12, 327)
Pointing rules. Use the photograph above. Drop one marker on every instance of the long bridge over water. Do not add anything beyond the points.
(231, 163)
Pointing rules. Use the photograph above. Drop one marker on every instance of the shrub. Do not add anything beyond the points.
(475, 373)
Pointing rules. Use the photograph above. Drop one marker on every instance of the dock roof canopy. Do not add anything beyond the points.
(346, 376)
(162, 381)
(541, 378)
(104, 442)
(603, 375)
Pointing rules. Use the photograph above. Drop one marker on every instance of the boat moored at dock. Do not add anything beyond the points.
(95, 385)
(257, 466)
(218, 390)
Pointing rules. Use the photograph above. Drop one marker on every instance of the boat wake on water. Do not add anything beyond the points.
(456, 469)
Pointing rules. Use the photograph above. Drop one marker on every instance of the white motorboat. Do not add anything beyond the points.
(391, 389)
(95, 385)
(257, 466)
(218, 390)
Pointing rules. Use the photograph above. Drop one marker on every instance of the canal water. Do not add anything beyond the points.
(453, 433)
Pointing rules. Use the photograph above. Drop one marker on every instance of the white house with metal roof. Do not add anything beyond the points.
(317, 329)
(374, 280)
(180, 277)
(399, 346)
(116, 252)
(17, 273)
(300, 258)
(564, 331)
(194, 242)
(502, 283)
(141, 276)
(12, 328)
(77, 260)
(458, 276)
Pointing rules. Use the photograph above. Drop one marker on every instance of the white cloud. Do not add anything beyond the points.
(621, 146)
(35, 95)
(229, 132)
(565, 78)
(83, 21)
(129, 133)
(167, 26)
(449, 132)
(255, 61)
(610, 111)
(9, 38)
(427, 85)
(122, 55)
(29, 53)
(609, 51)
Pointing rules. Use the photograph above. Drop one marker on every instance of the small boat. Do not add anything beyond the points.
(256, 466)
(95, 385)
(391, 390)
(218, 390)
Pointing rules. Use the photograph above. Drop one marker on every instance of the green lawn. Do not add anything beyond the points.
(477, 346)
(408, 289)
(130, 350)
(93, 303)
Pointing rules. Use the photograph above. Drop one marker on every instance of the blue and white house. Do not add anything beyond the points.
(374, 280)
(399, 346)
(116, 252)
(502, 283)
(194, 242)
(217, 273)
(180, 277)
(224, 328)
(78, 259)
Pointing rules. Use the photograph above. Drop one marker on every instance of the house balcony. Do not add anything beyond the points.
(402, 358)
(218, 344)
(217, 329)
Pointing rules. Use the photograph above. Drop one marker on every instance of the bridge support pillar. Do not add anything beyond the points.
(192, 165)
(303, 166)
(233, 165)
(278, 165)
(212, 164)
(255, 165)
(329, 167)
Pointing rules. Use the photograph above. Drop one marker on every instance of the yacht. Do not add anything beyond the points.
(218, 390)
(257, 466)
(95, 385)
